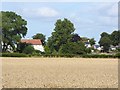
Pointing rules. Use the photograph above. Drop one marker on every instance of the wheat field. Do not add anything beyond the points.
(59, 73)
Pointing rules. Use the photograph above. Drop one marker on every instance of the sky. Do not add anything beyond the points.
(90, 19)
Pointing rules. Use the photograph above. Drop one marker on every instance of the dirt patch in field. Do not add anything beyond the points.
(59, 72)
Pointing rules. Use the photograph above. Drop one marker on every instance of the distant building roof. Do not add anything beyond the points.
(32, 41)
(97, 46)
(87, 43)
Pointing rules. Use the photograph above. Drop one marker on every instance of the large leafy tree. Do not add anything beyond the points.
(92, 41)
(105, 42)
(13, 29)
(115, 37)
(62, 34)
(0, 32)
(73, 48)
(40, 36)
(21, 46)
(104, 34)
(75, 38)
(84, 39)
(29, 49)
(49, 48)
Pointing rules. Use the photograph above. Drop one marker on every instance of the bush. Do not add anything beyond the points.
(71, 48)
(58, 55)
(29, 50)
(99, 56)
(61, 55)
(14, 55)
(118, 55)
(21, 46)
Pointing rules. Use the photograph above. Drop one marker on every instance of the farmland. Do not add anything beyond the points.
(59, 72)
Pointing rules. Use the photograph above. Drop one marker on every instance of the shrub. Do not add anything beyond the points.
(21, 47)
(100, 56)
(29, 50)
(71, 48)
(118, 55)
(14, 55)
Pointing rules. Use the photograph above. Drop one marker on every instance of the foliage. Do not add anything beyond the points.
(13, 29)
(92, 41)
(84, 39)
(104, 34)
(21, 47)
(83, 55)
(49, 46)
(100, 56)
(88, 50)
(29, 50)
(118, 49)
(118, 55)
(14, 55)
(105, 41)
(41, 37)
(115, 37)
(109, 39)
(59, 55)
(47, 49)
(75, 38)
(73, 48)
(62, 34)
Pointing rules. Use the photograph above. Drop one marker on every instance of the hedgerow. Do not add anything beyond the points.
(14, 55)
(61, 55)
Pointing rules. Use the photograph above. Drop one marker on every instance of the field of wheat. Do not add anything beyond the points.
(59, 73)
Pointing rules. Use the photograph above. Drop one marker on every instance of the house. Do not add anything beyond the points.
(112, 47)
(87, 44)
(97, 47)
(36, 43)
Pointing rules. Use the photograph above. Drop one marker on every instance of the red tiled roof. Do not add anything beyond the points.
(32, 41)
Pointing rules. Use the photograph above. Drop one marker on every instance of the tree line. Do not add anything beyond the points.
(63, 40)
(110, 39)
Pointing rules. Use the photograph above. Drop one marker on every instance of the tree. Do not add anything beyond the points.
(104, 34)
(47, 50)
(92, 41)
(40, 36)
(22, 46)
(75, 38)
(115, 37)
(13, 29)
(76, 48)
(62, 34)
(0, 32)
(29, 49)
(105, 42)
(84, 39)
(49, 46)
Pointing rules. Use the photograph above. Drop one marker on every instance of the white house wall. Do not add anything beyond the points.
(39, 47)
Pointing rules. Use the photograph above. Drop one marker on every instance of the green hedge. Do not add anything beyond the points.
(14, 55)
(82, 56)
(60, 55)
(118, 55)
(99, 56)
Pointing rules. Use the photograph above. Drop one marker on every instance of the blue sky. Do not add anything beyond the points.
(90, 18)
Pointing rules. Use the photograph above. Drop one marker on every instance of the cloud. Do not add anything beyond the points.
(95, 18)
(108, 15)
(47, 12)
(109, 9)
(107, 21)
(42, 12)
(113, 11)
